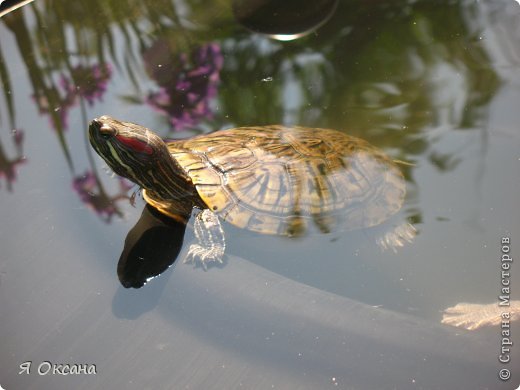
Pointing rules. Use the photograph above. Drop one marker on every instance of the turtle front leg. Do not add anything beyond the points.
(211, 242)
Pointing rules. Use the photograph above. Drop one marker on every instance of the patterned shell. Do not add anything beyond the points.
(282, 180)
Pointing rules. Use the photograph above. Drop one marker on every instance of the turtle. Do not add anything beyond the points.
(278, 180)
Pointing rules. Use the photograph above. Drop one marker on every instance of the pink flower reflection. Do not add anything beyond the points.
(186, 86)
(93, 195)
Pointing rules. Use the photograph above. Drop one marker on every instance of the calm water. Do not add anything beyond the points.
(435, 86)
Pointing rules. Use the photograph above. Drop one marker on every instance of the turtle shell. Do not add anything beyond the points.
(281, 180)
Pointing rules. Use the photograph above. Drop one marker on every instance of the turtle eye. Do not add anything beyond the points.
(106, 131)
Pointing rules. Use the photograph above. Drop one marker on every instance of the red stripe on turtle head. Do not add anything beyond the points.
(135, 144)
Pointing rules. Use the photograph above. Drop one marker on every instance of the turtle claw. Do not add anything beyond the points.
(210, 244)
(198, 253)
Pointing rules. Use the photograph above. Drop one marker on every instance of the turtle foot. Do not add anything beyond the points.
(472, 316)
(211, 243)
(204, 255)
(398, 237)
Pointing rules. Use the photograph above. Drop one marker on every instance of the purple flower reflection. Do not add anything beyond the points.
(186, 87)
(88, 82)
(93, 195)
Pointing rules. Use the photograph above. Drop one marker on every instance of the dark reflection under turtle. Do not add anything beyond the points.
(151, 246)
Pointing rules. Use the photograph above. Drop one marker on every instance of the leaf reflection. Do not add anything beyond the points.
(9, 166)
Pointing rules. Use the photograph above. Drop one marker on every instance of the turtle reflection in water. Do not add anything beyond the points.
(271, 179)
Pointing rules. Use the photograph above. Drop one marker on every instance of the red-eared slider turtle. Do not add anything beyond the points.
(269, 179)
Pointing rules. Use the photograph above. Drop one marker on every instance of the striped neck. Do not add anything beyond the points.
(166, 181)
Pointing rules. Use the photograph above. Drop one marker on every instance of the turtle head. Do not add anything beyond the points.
(140, 155)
